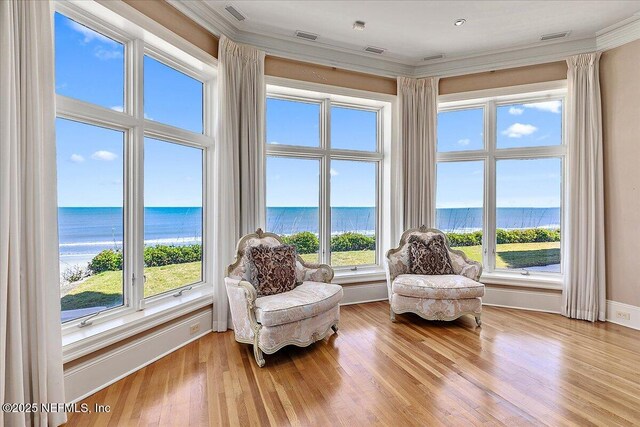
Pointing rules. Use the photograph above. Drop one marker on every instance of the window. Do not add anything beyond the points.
(131, 189)
(508, 185)
(322, 177)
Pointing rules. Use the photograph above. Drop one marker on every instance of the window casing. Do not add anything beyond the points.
(130, 120)
(486, 159)
(370, 161)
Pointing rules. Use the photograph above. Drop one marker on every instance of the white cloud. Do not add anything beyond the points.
(518, 130)
(464, 142)
(107, 156)
(274, 142)
(106, 54)
(119, 108)
(548, 106)
(88, 34)
(515, 111)
(76, 158)
(334, 172)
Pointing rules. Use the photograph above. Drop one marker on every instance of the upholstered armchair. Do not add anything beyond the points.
(298, 317)
(433, 297)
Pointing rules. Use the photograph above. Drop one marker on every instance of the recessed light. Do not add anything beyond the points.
(459, 22)
(358, 25)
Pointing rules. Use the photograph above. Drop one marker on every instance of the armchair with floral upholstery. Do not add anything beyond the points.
(433, 297)
(298, 317)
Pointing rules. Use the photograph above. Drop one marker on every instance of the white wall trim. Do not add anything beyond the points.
(613, 307)
(523, 299)
(358, 294)
(617, 35)
(94, 375)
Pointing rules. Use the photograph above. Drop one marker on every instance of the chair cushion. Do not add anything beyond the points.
(272, 270)
(307, 300)
(429, 256)
(449, 286)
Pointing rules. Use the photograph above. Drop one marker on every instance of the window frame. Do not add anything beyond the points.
(381, 104)
(489, 100)
(138, 313)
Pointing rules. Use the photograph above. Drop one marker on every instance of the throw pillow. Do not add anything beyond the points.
(429, 257)
(272, 269)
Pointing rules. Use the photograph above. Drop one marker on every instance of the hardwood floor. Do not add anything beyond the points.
(520, 368)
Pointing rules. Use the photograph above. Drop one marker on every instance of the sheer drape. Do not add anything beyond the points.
(238, 159)
(418, 109)
(30, 337)
(584, 293)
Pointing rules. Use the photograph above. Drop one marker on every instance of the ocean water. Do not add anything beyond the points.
(86, 231)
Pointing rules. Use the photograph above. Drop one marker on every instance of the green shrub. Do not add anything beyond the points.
(528, 235)
(465, 239)
(107, 260)
(352, 242)
(305, 242)
(156, 256)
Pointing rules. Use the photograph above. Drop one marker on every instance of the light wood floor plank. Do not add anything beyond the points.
(520, 368)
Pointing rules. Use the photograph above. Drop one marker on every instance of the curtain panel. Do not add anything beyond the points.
(30, 335)
(584, 293)
(238, 159)
(418, 110)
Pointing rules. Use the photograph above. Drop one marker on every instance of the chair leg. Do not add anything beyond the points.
(392, 314)
(257, 353)
(335, 328)
(478, 320)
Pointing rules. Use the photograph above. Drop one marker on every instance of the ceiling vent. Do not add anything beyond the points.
(433, 57)
(236, 14)
(306, 36)
(555, 36)
(376, 50)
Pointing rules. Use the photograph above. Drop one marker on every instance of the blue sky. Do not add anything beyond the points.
(520, 183)
(90, 67)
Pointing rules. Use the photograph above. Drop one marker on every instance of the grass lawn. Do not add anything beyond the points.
(345, 258)
(519, 255)
(105, 289)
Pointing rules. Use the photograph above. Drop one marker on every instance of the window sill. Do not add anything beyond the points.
(371, 274)
(537, 281)
(82, 341)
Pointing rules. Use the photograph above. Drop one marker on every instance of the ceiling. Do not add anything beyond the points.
(409, 31)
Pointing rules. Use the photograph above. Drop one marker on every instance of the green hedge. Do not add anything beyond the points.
(154, 256)
(307, 243)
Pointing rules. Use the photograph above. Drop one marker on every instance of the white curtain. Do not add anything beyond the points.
(418, 109)
(30, 337)
(239, 158)
(584, 293)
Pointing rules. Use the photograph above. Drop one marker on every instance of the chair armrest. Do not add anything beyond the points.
(242, 297)
(464, 266)
(313, 272)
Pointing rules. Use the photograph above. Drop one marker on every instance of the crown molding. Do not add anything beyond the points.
(507, 58)
(356, 60)
(617, 35)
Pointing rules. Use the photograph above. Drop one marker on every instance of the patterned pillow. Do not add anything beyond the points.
(429, 257)
(272, 269)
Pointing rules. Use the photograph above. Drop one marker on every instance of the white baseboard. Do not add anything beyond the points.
(87, 378)
(356, 294)
(524, 299)
(614, 307)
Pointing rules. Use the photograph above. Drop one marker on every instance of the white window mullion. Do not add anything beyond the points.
(136, 182)
(325, 183)
(489, 229)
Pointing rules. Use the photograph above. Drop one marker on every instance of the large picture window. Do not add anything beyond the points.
(322, 178)
(132, 144)
(500, 188)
